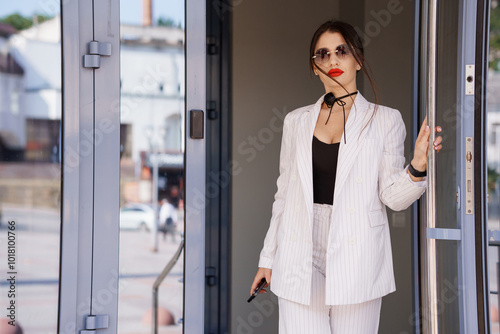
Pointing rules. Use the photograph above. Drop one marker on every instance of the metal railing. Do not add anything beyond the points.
(159, 280)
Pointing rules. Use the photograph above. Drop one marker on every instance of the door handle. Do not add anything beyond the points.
(430, 302)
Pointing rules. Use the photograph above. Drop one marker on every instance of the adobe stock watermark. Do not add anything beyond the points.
(379, 19)
(49, 7)
(264, 309)
(222, 7)
(446, 296)
(265, 136)
(248, 149)
(99, 300)
(457, 113)
(153, 76)
(294, 279)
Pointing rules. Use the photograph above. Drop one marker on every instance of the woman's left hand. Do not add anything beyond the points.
(421, 151)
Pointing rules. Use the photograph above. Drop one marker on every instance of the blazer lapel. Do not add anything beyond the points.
(304, 135)
(358, 118)
(348, 151)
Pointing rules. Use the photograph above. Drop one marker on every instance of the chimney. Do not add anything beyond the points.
(147, 12)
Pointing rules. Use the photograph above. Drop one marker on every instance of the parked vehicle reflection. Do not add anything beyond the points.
(137, 216)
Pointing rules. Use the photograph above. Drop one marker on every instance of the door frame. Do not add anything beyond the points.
(77, 169)
(195, 169)
(219, 169)
(472, 243)
(481, 166)
(90, 167)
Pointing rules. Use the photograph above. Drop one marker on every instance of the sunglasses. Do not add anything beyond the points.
(323, 55)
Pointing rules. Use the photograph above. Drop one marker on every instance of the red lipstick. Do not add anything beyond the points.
(335, 72)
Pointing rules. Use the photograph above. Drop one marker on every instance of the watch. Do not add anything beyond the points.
(415, 172)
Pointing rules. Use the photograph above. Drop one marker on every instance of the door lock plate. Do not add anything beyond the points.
(469, 79)
(469, 176)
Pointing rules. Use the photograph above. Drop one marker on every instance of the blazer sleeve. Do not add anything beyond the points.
(396, 189)
(270, 242)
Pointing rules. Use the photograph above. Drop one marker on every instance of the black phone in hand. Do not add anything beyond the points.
(259, 287)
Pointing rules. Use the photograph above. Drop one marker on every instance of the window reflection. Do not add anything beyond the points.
(30, 182)
(493, 156)
(152, 163)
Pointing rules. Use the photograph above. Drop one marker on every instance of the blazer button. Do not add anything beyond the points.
(351, 211)
(359, 179)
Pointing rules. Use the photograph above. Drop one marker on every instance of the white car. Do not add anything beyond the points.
(137, 217)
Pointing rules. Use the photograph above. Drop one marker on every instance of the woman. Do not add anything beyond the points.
(327, 253)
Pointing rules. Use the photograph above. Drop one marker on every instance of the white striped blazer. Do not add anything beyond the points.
(370, 176)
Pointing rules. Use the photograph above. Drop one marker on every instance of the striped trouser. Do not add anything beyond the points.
(318, 318)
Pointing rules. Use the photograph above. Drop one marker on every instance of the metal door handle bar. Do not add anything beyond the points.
(430, 298)
(159, 280)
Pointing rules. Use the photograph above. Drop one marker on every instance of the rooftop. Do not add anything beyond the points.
(6, 30)
(9, 65)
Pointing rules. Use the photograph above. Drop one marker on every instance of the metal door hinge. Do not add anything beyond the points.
(469, 176)
(96, 50)
(212, 48)
(95, 322)
(211, 275)
(212, 110)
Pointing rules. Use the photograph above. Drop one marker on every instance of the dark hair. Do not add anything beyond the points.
(353, 42)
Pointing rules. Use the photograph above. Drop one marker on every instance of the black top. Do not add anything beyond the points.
(324, 157)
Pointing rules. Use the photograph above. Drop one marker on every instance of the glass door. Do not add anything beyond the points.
(453, 295)
(30, 165)
(66, 136)
(152, 187)
(492, 144)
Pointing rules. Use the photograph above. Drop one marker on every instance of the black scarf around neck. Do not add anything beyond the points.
(330, 100)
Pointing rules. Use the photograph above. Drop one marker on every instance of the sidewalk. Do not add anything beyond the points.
(37, 264)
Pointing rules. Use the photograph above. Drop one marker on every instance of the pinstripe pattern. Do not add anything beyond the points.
(370, 176)
(318, 318)
(321, 227)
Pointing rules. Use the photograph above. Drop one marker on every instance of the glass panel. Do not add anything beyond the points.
(30, 173)
(493, 155)
(448, 115)
(152, 132)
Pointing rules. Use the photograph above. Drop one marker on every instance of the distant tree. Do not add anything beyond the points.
(166, 22)
(42, 18)
(21, 22)
(493, 177)
(494, 56)
(17, 21)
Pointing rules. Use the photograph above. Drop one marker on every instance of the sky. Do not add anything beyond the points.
(130, 10)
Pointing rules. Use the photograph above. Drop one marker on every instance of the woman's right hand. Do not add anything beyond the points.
(262, 272)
